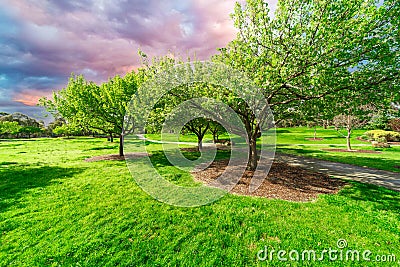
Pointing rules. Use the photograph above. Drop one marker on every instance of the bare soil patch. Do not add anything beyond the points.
(283, 182)
(315, 139)
(116, 157)
(353, 151)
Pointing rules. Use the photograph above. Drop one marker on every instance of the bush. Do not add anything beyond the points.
(378, 144)
(389, 136)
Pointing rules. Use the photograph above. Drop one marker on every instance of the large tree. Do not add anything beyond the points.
(312, 49)
(100, 107)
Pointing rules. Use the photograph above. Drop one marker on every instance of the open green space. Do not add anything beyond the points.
(58, 210)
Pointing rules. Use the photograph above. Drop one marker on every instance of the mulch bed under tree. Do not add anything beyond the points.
(283, 182)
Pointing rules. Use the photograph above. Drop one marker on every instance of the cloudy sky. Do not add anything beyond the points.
(43, 41)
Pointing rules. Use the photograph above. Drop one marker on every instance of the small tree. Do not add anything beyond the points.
(216, 130)
(66, 130)
(199, 127)
(60, 130)
(86, 104)
(347, 122)
(9, 127)
(30, 130)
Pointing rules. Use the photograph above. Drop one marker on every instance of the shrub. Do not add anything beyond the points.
(389, 136)
(378, 144)
(381, 140)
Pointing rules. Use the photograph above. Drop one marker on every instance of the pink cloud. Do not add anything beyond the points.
(29, 97)
(101, 39)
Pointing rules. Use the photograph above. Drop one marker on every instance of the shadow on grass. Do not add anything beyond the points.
(382, 198)
(16, 180)
(282, 131)
(158, 158)
(8, 163)
(101, 148)
(9, 144)
(299, 151)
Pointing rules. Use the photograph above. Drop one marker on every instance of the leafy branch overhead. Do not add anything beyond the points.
(312, 49)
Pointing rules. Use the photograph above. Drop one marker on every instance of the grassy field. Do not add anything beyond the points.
(58, 210)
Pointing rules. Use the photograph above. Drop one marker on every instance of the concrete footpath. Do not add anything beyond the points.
(387, 179)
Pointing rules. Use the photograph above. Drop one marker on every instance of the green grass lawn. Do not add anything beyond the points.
(295, 141)
(58, 210)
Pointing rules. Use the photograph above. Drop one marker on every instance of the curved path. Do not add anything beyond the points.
(387, 179)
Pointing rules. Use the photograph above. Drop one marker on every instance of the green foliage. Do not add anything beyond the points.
(66, 130)
(388, 136)
(29, 130)
(86, 105)
(314, 49)
(9, 127)
(216, 129)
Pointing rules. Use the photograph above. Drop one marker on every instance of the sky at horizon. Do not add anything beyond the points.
(43, 42)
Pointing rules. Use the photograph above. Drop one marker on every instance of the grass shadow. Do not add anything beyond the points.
(158, 158)
(6, 163)
(16, 180)
(381, 197)
(300, 151)
(101, 148)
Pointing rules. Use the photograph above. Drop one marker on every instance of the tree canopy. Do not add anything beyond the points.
(101, 107)
(311, 49)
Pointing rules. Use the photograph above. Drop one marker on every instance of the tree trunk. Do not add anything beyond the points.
(315, 132)
(111, 138)
(348, 139)
(325, 122)
(253, 159)
(121, 145)
(215, 138)
(200, 144)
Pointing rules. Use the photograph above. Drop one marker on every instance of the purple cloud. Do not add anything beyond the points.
(42, 42)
